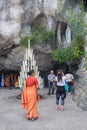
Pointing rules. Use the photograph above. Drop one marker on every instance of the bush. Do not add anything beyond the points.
(79, 30)
(78, 47)
(39, 35)
(76, 22)
(62, 55)
(76, 51)
(24, 41)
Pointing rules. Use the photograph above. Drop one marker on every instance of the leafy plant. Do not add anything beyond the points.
(76, 22)
(76, 51)
(37, 37)
(24, 41)
(63, 55)
(78, 27)
(85, 60)
(39, 34)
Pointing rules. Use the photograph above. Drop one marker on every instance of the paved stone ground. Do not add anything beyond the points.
(12, 117)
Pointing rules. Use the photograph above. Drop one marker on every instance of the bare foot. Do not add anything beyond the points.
(69, 94)
(62, 108)
(56, 107)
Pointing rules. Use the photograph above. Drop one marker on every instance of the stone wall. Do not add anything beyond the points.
(81, 84)
(16, 16)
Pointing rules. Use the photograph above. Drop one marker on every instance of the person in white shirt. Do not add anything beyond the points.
(69, 79)
(60, 91)
(51, 80)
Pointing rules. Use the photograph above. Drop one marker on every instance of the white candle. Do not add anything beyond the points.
(28, 44)
(28, 64)
(24, 57)
(23, 65)
(34, 64)
(31, 63)
(26, 54)
(31, 53)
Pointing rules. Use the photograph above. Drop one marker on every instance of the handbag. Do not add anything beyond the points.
(66, 88)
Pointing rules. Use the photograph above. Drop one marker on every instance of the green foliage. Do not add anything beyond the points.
(85, 60)
(73, 52)
(78, 27)
(39, 37)
(62, 55)
(78, 46)
(39, 34)
(76, 22)
(24, 41)
(60, 6)
(81, 5)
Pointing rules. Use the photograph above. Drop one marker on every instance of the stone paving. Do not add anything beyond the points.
(12, 117)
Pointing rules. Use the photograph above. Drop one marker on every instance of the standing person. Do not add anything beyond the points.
(11, 81)
(63, 75)
(7, 81)
(69, 79)
(51, 80)
(60, 91)
(29, 96)
(2, 80)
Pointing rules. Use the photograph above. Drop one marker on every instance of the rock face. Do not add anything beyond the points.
(11, 13)
(43, 55)
(15, 19)
(81, 87)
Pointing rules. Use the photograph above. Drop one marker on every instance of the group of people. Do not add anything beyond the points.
(8, 80)
(52, 81)
(59, 83)
(30, 95)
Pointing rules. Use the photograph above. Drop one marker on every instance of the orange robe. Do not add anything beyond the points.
(7, 80)
(15, 79)
(29, 97)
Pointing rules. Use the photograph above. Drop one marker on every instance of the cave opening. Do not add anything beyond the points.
(9, 79)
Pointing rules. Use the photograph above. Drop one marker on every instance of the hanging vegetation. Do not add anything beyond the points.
(76, 51)
(39, 34)
(78, 27)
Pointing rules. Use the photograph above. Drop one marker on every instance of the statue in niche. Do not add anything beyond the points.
(68, 34)
(50, 22)
(59, 33)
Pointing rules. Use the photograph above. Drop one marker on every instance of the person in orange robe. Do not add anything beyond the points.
(29, 96)
(7, 80)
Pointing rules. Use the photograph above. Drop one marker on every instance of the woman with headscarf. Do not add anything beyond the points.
(29, 96)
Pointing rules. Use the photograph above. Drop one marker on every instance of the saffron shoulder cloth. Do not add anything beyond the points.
(24, 98)
(24, 101)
